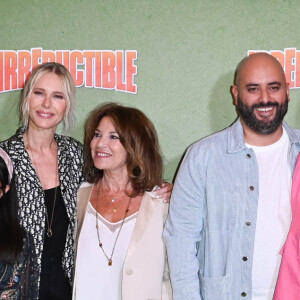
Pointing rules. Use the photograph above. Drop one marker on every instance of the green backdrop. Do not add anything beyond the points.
(187, 53)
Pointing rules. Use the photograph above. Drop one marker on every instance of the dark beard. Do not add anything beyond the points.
(263, 127)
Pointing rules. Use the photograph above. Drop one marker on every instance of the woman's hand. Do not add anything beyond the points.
(164, 192)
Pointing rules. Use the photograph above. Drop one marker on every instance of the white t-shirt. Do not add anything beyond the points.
(94, 278)
(273, 215)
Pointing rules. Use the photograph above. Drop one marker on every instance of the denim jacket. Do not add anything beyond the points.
(211, 225)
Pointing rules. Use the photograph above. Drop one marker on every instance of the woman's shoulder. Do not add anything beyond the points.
(70, 148)
(14, 141)
(157, 204)
(14, 146)
(67, 140)
(84, 190)
(86, 185)
(152, 194)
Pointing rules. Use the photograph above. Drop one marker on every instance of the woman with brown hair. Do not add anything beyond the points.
(120, 252)
(48, 171)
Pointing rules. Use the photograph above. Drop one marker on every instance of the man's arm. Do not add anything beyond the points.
(184, 226)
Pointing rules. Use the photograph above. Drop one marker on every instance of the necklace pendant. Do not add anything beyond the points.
(110, 262)
(49, 232)
(114, 210)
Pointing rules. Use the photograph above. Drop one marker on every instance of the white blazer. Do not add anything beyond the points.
(145, 271)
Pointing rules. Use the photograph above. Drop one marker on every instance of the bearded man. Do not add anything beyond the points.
(230, 209)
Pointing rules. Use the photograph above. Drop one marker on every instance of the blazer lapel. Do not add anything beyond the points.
(147, 208)
(23, 166)
(83, 198)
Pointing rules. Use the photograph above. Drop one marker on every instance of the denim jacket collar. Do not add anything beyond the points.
(294, 138)
(236, 141)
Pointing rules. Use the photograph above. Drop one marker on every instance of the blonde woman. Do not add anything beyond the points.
(48, 170)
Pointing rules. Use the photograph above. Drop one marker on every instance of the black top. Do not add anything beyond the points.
(31, 195)
(54, 283)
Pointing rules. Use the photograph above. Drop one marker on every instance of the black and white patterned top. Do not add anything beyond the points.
(31, 195)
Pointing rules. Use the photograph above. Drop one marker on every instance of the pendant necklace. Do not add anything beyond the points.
(49, 224)
(109, 259)
(113, 200)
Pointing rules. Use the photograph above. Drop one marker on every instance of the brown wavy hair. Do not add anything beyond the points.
(138, 137)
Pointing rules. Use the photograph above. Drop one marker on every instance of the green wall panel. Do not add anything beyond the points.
(187, 53)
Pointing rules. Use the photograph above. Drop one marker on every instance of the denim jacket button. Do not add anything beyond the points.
(129, 271)
(248, 155)
(243, 294)
(251, 188)
(248, 223)
(245, 258)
